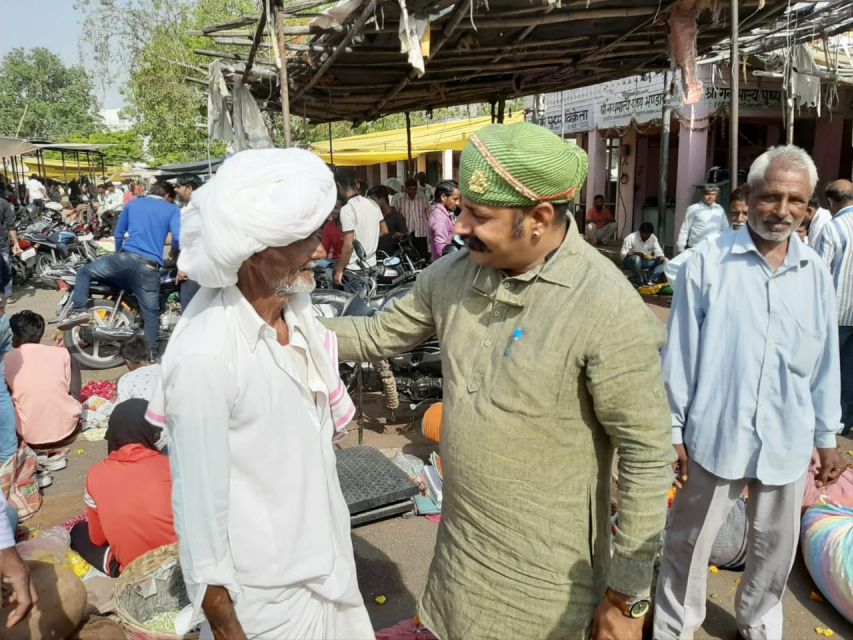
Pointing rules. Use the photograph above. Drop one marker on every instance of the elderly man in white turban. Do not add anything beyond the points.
(251, 402)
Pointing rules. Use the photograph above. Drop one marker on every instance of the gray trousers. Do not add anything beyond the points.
(697, 515)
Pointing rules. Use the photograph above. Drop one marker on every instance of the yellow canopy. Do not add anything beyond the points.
(53, 169)
(390, 146)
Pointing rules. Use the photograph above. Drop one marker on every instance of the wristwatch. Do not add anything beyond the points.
(632, 608)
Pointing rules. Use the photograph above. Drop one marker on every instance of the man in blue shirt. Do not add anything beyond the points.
(140, 235)
(833, 245)
(751, 368)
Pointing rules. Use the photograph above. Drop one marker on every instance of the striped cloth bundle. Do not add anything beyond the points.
(827, 543)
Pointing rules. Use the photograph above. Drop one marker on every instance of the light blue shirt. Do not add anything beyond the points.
(751, 365)
(834, 246)
(700, 222)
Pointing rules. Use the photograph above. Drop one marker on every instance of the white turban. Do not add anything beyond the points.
(259, 198)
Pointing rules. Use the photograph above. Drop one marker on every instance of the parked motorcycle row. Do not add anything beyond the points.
(413, 377)
(54, 251)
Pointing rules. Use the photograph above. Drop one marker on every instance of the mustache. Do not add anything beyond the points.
(475, 244)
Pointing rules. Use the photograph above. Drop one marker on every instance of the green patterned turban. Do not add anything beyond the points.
(520, 165)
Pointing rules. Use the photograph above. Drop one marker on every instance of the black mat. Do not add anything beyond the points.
(370, 481)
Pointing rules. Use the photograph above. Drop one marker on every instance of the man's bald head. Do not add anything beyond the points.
(840, 195)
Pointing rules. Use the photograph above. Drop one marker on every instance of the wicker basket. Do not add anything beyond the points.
(133, 608)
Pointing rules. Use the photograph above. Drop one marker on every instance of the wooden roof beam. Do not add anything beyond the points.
(353, 30)
(256, 41)
(461, 11)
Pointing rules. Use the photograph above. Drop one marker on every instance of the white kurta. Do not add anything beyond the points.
(258, 507)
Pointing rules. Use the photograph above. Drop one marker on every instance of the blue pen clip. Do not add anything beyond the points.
(517, 335)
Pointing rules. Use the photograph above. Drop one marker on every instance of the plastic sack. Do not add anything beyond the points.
(827, 544)
(18, 482)
(96, 413)
(50, 545)
(411, 465)
(729, 548)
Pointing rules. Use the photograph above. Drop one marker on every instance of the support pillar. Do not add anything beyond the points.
(692, 154)
(447, 164)
(625, 195)
(828, 139)
(421, 162)
(383, 172)
(401, 170)
(597, 152)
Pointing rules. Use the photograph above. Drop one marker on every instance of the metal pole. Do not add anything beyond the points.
(501, 109)
(666, 116)
(562, 114)
(282, 78)
(64, 168)
(409, 143)
(734, 112)
(237, 118)
(331, 147)
(789, 115)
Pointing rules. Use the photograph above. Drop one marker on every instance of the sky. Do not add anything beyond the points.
(53, 24)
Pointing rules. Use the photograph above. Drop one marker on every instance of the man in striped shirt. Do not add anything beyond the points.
(833, 245)
(415, 208)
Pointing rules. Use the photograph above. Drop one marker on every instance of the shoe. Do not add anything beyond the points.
(76, 319)
(44, 480)
(52, 463)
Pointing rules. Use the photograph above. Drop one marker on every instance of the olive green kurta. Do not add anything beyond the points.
(523, 550)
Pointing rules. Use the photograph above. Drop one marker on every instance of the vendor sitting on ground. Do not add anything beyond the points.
(600, 224)
(128, 495)
(142, 375)
(641, 252)
(45, 385)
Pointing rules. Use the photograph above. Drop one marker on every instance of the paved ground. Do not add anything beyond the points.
(393, 556)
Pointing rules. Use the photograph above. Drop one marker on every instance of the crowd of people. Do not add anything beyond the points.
(553, 367)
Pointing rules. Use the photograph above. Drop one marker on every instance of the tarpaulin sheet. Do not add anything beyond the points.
(10, 147)
(390, 146)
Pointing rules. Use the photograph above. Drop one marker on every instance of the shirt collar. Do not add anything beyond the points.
(253, 326)
(557, 269)
(844, 211)
(742, 243)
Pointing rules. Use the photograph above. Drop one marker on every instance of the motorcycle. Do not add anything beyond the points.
(413, 377)
(115, 318)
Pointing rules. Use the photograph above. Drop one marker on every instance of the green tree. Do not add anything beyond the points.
(150, 38)
(125, 146)
(42, 98)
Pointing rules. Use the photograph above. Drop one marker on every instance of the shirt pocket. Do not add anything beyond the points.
(529, 380)
(805, 352)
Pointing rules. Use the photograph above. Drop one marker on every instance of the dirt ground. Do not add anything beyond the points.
(393, 556)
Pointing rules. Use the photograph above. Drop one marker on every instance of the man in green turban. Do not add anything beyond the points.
(550, 364)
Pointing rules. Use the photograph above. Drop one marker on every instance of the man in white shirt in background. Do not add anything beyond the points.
(113, 198)
(142, 375)
(702, 219)
(816, 217)
(641, 252)
(36, 191)
(749, 404)
(833, 246)
(361, 219)
(251, 402)
(426, 189)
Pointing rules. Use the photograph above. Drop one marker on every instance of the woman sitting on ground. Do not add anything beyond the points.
(142, 376)
(45, 385)
(128, 495)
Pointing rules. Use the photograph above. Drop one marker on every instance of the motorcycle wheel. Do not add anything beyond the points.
(44, 261)
(20, 272)
(99, 354)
